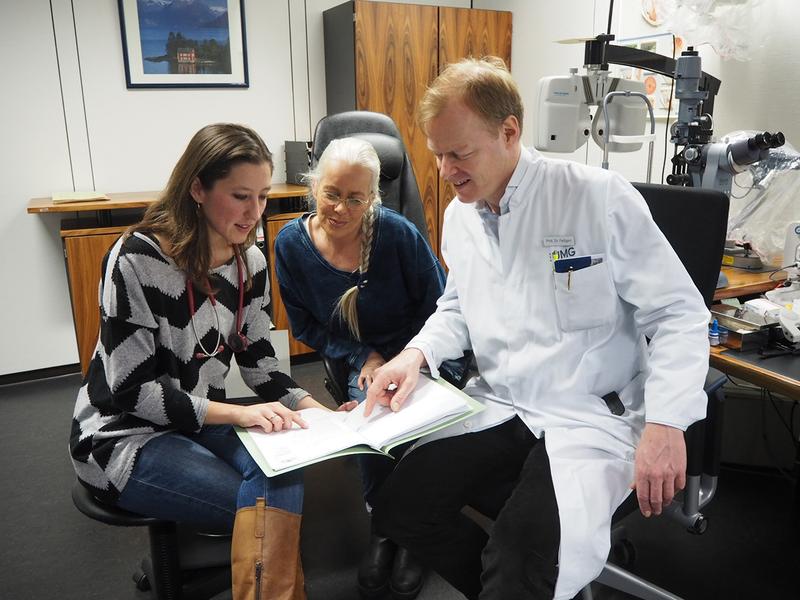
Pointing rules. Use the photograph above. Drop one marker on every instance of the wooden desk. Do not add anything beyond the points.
(86, 240)
(780, 374)
(745, 283)
(141, 200)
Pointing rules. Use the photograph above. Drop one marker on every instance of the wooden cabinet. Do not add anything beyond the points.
(279, 317)
(84, 249)
(469, 32)
(381, 56)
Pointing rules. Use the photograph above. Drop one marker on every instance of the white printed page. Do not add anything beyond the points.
(428, 404)
(325, 435)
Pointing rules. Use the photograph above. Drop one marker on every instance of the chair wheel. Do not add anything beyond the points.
(624, 553)
(141, 580)
(699, 526)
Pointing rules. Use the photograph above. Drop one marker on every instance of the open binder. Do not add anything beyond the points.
(432, 406)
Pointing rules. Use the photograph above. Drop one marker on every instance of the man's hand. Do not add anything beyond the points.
(660, 469)
(374, 360)
(402, 373)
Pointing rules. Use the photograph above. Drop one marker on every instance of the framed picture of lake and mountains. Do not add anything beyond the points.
(184, 43)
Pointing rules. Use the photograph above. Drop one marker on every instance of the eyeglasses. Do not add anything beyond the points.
(350, 202)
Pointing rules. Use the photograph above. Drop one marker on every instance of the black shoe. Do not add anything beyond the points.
(376, 567)
(407, 578)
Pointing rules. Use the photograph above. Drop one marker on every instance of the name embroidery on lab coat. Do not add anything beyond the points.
(554, 241)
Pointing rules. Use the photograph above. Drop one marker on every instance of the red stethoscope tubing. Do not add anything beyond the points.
(237, 341)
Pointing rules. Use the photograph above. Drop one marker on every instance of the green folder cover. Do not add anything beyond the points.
(432, 406)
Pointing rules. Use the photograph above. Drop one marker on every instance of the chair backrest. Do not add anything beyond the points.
(695, 222)
(398, 184)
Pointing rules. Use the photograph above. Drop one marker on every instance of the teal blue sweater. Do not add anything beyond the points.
(403, 283)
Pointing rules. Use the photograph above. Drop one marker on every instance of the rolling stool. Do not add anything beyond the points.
(183, 564)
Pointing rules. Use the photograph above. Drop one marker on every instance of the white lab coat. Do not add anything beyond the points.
(547, 348)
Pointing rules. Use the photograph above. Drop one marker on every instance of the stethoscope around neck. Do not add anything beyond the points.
(237, 341)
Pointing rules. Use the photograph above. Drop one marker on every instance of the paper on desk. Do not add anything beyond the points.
(90, 196)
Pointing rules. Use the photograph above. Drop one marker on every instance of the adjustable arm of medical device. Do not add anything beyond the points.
(599, 53)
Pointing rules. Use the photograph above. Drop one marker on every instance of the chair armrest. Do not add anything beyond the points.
(336, 372)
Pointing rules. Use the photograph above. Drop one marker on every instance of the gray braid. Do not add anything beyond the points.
(367, 231)
(346, 307)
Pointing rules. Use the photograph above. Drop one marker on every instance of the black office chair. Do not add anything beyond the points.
(183, 563)
(695, 223)
(399, 192)
(398, 184)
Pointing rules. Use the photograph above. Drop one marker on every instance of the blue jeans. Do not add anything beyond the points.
(374, 467)
(203, 479)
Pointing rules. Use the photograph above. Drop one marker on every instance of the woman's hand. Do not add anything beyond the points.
(374, 360)
(270, 416)
(347, 406)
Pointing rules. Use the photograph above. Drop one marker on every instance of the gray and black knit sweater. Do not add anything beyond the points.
(145, 378)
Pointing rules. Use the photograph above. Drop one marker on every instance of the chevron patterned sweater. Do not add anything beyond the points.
(145, 379)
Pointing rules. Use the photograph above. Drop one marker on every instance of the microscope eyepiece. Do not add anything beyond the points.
(760, 141)
(763, 141)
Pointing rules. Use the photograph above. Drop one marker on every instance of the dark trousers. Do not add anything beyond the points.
(505, 472)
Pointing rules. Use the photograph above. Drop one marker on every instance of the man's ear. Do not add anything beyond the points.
(511, 129)
(197, 191)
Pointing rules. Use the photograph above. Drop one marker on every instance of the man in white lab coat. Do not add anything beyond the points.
(558, 274)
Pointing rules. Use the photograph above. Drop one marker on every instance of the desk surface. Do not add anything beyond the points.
(141, 200)
(779, 374)
(745, 283)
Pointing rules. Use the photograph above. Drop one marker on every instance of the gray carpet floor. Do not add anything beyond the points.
(49, 550)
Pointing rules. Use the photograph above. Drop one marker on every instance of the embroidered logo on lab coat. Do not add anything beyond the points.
(559, 246)
(563, 253)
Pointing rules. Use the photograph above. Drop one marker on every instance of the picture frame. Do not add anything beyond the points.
(184, 44)
(657, 86)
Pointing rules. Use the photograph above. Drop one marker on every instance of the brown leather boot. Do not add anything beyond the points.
(265, 554)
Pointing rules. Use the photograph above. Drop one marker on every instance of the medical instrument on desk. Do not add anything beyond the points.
(741, 255)
(237, 341)
(789, 292)
(787, 297)
(713, 334)
(790, 321)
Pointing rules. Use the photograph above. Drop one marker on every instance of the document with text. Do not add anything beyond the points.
(432, 405)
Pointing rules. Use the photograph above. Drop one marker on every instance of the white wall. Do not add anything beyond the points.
(97, 133)
(84, 128)
(34, 160)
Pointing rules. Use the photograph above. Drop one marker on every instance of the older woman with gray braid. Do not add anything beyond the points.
(358, 281)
